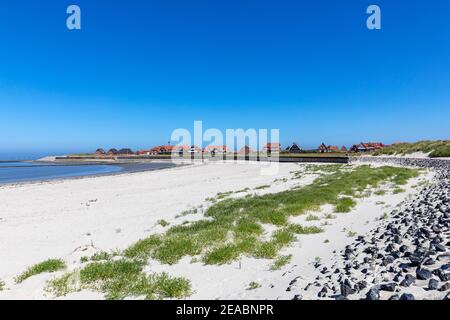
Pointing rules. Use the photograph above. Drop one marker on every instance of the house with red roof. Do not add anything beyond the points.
(245, 150)
(367, 146)
(333, 148)
(216, 150)
(164, 150)
(100, 152)
(272, 147)
(326, 149)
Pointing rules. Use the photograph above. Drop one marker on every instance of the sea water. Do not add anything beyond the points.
(11, 172)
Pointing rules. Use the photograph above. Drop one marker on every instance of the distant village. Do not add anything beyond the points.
(268, 148)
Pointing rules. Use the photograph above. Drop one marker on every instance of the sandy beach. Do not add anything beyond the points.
(70, 219)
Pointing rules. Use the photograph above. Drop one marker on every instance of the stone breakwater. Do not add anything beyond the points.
(407, 257)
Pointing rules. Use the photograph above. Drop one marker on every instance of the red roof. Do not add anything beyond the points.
(272, 146)
(376, 145)
(245, 149)
(212, 148)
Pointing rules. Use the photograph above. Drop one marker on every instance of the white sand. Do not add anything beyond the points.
(414, 155)
(74, 218)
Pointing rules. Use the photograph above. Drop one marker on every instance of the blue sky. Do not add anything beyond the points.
(140, 69)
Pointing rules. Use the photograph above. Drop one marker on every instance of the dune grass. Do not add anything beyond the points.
(280, 262)
(398, 190)
(233, 227)
(440, 148)
(51, 265)
(100, 256)
(2, 285)
(119, 279)
(253, 285)
(162, 223)
(344, 204)
(312, 217)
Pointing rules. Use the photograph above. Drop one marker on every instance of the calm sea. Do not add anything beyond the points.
(11, 172)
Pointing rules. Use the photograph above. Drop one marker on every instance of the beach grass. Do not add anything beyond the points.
(100, 256)
(2, 285)
(344, 204)
(162, 223)
(280, 262)
(233, 227)
(435, 149)
(119, 279)
(51, 265)
(312, 217)
(398, 190)
(253, 285)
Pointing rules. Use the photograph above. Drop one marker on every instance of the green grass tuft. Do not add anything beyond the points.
(120, 279)
(51, 265)
(398, 190)
(312, 217)
(351, 234)
(280, 262)
(163, 223)
(253, 285)
(344, 205)
(298, 229)
(143, 248)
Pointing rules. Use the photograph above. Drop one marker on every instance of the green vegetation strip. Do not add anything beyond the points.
(435, 148)
(235, 226)
(50, 265)
(119, 279)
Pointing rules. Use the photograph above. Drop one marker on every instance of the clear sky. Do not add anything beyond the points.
(140, 69)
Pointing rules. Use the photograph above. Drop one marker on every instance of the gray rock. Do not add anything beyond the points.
(409, 280)
(423, 274)
(346, 290)
(407, 296)
(388, 287)
(433, 284)
(445, 287)
(373, 294)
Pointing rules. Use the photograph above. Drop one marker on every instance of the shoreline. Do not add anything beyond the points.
(126, 168)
